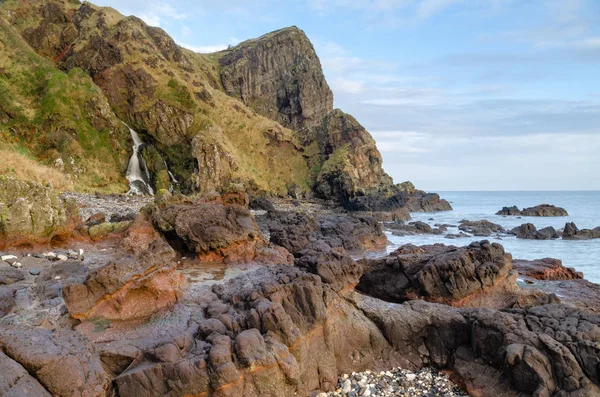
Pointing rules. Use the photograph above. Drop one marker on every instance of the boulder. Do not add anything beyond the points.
(572, 232)
(546, 269)
(218, 230)
(477, 274)
(33, 213)
(482, 228)
(528, 231)
(412, 228)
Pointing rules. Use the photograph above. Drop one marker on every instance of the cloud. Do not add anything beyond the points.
(205, 49)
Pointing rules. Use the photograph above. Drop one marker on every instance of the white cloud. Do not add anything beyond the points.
(427, 8)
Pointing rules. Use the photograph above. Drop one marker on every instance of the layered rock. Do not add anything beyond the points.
(134, 286)
(528, 231)
(446, 274)
(572, 232)
(546, 269)
(538, 210)
(31, 212)
(291, 90)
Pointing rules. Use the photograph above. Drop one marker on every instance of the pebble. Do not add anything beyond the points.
(35, 271)
(62, 257)
(10, 259)
(17, 265)
(49, 255)
(396, 382)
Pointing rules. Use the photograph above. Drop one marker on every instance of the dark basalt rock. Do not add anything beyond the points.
(528, 231)
(482, 228)
(412, 228)
(572, 232)
(438, 273)
(538, 210)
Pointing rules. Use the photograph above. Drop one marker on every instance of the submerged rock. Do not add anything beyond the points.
(482, 228)
(528, 231)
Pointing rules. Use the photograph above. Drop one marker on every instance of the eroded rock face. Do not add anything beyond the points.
(279, 76)
(31, 212)
(43, 363)
(133, 286)
(538, 210)
(447, 274)
(546, 269)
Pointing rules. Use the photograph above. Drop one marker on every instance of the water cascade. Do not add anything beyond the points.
(139, 181)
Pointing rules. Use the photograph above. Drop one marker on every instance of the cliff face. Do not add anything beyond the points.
(260, 113)
(279, 76)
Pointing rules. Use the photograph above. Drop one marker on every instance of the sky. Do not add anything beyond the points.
(458, 94)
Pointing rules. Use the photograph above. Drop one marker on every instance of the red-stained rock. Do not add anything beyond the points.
(546, 269)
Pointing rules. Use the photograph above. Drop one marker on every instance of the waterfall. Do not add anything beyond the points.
(139, 183)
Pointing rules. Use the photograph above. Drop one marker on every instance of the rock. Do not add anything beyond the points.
(35, 271)
(33, 213)
(411, 229)
(546, 269)
(101, 231)
(296, 230)
(10, 259)
(62, 257)
(7, 302)
(261, 204)
(132, 288)
(17, 265)
(96, 219)
(474, 275)
(51, 256)
(538, 210)
(258, 72)
(217, 232)
(528, 231)
(482, 228)
(62, 361)
(572, 232)
(10, 275)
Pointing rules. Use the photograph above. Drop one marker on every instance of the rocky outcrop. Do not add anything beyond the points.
(572, 232)
(538, 210)
(218, 230)
(296, 230)
(134, 286)
(38, 362)
(279, 76)
(546, 269)
(31, 212)
(482, 228)
(528, 231)
(444, 274)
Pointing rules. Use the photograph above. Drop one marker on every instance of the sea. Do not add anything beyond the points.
(583, 208)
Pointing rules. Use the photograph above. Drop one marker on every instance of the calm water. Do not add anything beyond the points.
(583, 208)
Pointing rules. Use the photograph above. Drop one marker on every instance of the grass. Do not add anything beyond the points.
(25, 168)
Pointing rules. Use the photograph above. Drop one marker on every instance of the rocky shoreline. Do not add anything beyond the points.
(301, 310)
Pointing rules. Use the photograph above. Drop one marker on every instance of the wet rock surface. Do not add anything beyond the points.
(412, 228)
(572, 232)
(528, 231)
(482, 228)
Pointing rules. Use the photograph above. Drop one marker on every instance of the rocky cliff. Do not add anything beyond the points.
(258, 114)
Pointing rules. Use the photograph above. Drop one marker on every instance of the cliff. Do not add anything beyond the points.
(259, 114)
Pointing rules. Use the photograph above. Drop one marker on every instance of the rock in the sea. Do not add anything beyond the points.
(572, 232)
(546, 269)
(538, 210)
(412, 228)
(482, 228)
(31, 212)
(528, 231)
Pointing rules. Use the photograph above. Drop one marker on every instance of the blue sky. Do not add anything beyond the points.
(459, 94)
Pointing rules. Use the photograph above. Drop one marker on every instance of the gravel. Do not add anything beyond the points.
(117, 207)
(427, 382)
